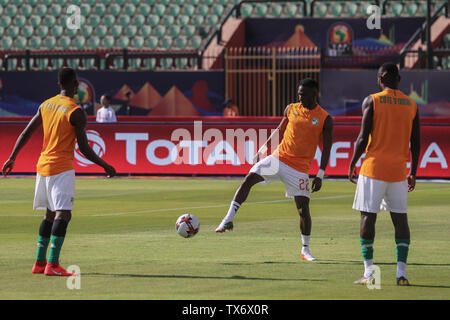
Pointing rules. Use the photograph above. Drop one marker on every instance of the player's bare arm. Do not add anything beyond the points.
(363, 137)
(78, 120)
(23, 138)
(415, 152)
(279, 130)
(327, 143)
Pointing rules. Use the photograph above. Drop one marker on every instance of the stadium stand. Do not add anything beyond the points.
(166, 25)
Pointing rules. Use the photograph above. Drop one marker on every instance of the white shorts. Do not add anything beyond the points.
(271, 169)
(55, 192)
(374, 195)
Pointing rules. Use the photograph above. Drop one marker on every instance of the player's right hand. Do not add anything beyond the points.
(110, 171)
(352, 173)
(7, 167)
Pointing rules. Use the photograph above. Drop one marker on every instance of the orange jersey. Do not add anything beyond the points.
(59, 136)
(301, 137)
(388, 147)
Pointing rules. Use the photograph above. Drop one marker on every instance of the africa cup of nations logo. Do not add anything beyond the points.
(96, 143)
(85, 93)
(340, 39)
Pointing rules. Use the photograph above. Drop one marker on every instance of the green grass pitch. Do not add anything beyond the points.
(122, 236)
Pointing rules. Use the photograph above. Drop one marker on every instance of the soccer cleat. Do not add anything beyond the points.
(39, 267)
(54, 269)
(307, 256)
(365, 280)
(402, 281)
(225, 226)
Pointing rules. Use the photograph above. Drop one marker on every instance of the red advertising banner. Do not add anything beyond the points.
(213, 148)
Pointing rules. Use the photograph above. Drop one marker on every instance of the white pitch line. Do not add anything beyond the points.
(206, 207)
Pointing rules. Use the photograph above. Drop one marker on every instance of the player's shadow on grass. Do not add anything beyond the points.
(178, 276)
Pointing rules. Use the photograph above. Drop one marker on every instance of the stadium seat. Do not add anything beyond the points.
(64, 42)
(151, 42)
(120, 2)
(35, 21)
(130, 31)
(27, 31)
(31, 2)
(26, 10)
(202, 10)
(47, 3)
(183, 20)
(218, 10)
(145, 31)
(153, 20)
(73, 63)
(189, 31)
(159, 31)
(181, 42)
(93, 42)
(20, 21)
(129, 9)
(137, 42)
(71, 32)
(336, 9)
(55, 10)
(290, 10)
(188, 10)
(99, 9)
(20, 43)
(57, 31)
(166, 42)
(86, 31)
(174, 31)
(195, 42)
(40, 10)
(12, 32)
(7, 43)
(168, 21)
(114, 10)
(261, 10)
(246, 10)
(447, 40)
(108, 42)
(123, 42)
(320, 9)
(100, 31)
(411, 9)
(11, 11)
(350, 9)
(159, 10)
(166, 63)
(109, 20)
(123, 20)
(181, 63)
(396, 9)
(138, 20)
(212, 20)
(116, 31)
(42, 31)
(85, 10)
(50, 42)
(50, 21)
(197, 21)
(79, 42)
(34, 42)
(144, 9)
(5, 21)
(174, 10)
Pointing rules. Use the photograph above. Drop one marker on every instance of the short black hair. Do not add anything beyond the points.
(107, 96)
(388, 69)
(309, 83)
(66, 76)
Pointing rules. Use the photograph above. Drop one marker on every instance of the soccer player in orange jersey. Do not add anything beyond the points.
(390, 123)
(63, 122)
(301, 128)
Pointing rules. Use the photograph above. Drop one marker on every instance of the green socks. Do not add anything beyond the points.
(42, 245)
(367, 249)
(55, 248)
(402, 249)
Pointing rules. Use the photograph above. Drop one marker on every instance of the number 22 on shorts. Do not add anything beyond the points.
(304, 184)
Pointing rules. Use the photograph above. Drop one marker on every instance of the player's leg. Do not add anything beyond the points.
(62, 190)
(402, 241)
(302, 204)
(45, 230)
(368, 197)
(239, 197)
(396, 201)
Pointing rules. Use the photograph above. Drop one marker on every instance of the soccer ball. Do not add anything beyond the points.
(187, 225)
